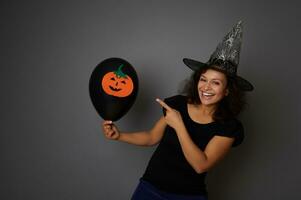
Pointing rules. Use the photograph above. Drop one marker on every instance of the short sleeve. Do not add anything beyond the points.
(232, 128)
(174, 102)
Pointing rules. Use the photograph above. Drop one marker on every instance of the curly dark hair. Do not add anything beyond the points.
(228, 108)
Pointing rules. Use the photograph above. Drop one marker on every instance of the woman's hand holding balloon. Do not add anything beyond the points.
(110, 130)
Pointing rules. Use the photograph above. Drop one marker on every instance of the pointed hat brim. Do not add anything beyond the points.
(242, 83)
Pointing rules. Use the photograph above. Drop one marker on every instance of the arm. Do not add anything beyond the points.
(142, 138)
(201, 161)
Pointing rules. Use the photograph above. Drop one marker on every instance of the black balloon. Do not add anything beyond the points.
(113, 88)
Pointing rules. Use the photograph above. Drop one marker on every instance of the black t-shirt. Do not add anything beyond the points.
(168, 168)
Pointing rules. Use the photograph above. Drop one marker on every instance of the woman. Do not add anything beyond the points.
(196, 131)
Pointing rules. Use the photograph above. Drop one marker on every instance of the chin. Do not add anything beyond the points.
(209, 103)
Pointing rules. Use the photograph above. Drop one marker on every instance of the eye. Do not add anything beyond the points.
(216, 83)
(113, 79)
(123, 82)
(202, 79)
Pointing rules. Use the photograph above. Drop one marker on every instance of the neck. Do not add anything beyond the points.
(207, 110)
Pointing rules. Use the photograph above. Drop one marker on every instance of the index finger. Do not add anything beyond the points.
(163, 104)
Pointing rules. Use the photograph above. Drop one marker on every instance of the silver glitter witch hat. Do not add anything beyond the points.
(225, 58)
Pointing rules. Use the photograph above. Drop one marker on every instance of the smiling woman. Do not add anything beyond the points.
(196, 131)
(212, 87)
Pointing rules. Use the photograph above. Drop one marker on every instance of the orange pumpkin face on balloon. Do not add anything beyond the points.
(117, 83)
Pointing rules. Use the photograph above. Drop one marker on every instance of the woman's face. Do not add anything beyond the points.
(212, 87)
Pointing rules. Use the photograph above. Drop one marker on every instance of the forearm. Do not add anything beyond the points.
(193, 154)
(142, 138)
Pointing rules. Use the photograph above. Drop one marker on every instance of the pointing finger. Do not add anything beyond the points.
(163, 104)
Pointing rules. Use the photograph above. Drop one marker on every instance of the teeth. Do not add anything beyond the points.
(207, 94)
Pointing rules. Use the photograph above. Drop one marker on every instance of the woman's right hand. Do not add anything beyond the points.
(110, 130)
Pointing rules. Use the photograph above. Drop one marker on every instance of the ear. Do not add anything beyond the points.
(227, 92)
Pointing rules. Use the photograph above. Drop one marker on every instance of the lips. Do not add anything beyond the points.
(206, 95)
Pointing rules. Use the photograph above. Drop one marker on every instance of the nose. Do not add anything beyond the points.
(207, 86)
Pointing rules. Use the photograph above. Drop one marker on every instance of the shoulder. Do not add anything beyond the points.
(175, 100)
(231, 128)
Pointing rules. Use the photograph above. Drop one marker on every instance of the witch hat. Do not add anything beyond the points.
(225, 58)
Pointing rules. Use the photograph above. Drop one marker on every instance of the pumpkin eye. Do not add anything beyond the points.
(123, 82)
(113, 79)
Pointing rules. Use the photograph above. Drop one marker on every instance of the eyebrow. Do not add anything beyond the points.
(215, 79)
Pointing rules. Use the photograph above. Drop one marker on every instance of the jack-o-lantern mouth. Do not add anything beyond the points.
(114, 89)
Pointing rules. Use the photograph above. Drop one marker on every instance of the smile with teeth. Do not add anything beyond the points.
(207, 94)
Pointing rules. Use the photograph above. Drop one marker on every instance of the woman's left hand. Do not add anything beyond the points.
(172, 117)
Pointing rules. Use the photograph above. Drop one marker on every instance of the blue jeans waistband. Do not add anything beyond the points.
(147, 191)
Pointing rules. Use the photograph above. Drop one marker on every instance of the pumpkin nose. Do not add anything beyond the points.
(116, 83)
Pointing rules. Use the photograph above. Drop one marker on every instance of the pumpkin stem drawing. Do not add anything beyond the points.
(119, 72)
(117, 83)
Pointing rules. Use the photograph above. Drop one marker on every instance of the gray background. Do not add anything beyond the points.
(51, 143)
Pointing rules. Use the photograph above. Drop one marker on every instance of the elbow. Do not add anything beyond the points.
(201, 170)
(152, 142)
(202, 167)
